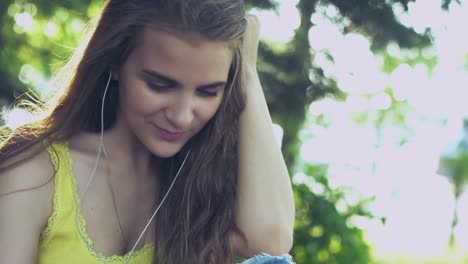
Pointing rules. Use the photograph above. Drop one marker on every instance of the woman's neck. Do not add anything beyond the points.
(122, 150)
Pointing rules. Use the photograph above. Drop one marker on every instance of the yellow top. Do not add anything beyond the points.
(60, 241)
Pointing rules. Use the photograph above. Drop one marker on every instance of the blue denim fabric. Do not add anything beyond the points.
(268, 259)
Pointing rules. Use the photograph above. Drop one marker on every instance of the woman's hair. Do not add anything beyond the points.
(194, 224)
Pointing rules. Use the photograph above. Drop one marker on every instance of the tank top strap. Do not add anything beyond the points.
(61, 242)
(64, 196)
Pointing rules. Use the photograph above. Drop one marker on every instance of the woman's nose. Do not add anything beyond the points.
(180, 112)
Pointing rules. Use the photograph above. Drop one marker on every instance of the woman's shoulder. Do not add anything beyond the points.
(27, 170)
(26, 192)
(29, 178)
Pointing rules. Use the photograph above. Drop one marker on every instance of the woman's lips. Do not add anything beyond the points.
(168, 135)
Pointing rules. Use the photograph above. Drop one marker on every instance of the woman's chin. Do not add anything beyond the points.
(163, 148)
(166, 152)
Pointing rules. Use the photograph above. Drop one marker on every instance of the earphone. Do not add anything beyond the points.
(93, 174)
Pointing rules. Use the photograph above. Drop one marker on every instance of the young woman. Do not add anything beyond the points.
(159, 149)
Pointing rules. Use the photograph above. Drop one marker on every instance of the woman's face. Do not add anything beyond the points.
(170, 86)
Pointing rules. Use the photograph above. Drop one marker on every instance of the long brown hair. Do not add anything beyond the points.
(194, 224)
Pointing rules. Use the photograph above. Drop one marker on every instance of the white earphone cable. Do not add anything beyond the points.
(93, 174)
(157, 209)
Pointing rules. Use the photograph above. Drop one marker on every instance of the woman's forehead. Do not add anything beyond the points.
(155, 40)
(177, 52)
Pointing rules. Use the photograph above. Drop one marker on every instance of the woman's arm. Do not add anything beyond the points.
(24, 214)
(265, 204)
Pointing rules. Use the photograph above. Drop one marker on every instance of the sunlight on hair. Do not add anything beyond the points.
(31, 77)
(17, 117)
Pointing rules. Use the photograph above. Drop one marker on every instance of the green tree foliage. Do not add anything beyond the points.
(292, 82)
(322, 233)
(454, 165)
(49, 33)
(51, 29)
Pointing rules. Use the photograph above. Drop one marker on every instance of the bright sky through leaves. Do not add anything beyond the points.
(373, 160)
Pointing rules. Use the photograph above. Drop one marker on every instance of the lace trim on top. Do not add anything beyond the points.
(64, 153)
(46, 232)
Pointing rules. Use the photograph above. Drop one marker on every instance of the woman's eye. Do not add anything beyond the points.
(208, 93)
(158, 87)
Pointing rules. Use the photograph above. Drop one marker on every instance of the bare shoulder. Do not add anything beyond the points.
(33, 171)
(28, 184)
(26, 191)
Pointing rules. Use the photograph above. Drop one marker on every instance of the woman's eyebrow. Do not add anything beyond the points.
(160, 76)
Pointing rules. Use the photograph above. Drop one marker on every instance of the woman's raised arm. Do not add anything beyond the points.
(265, 203)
